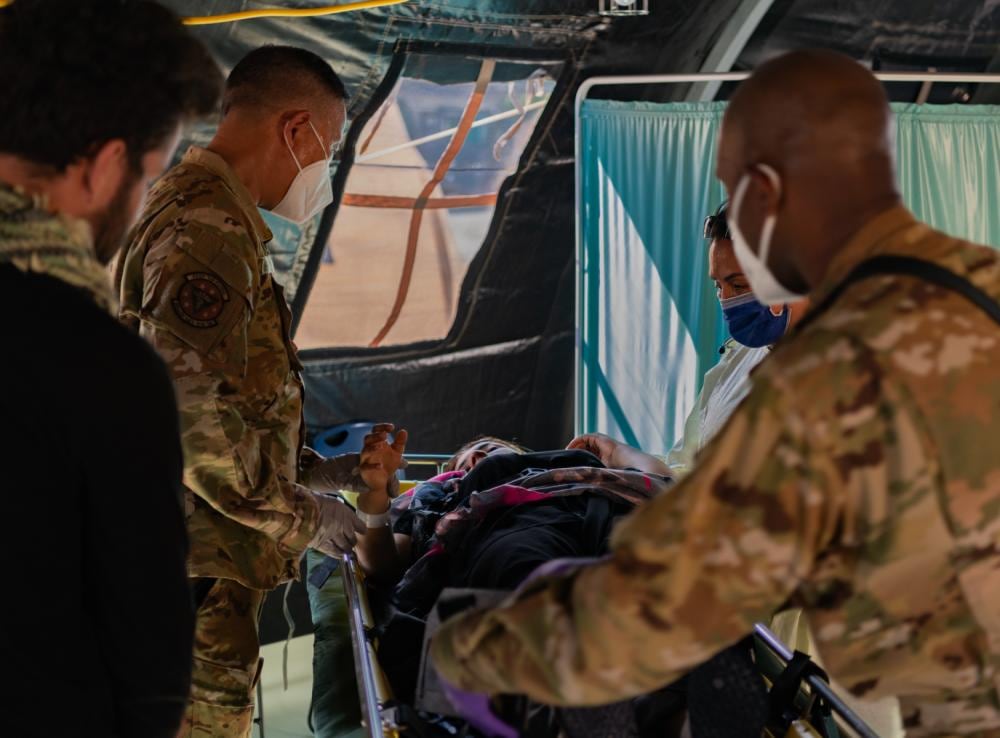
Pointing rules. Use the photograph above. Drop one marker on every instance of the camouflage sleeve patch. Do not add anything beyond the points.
(201, 299)
(201, 290)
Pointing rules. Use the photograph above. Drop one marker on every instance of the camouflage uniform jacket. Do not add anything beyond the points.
(859, 480)
(195, 281)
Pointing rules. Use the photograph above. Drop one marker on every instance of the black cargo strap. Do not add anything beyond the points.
(908, 265)
(786, 687)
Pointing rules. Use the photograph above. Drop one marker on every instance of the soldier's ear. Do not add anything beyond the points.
(101, 175)
(294, 124)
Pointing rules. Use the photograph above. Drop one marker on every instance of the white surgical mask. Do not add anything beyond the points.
(310, 191)
(762, 281)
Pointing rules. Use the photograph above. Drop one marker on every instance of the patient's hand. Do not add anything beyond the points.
(602, 446)
(379, 459)
(616, 455)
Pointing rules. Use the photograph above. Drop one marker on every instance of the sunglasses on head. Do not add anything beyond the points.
(714, 229)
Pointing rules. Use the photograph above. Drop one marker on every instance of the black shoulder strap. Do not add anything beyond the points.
(925, 270)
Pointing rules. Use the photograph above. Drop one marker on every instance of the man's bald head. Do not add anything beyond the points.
(822, 122)
(809, 103)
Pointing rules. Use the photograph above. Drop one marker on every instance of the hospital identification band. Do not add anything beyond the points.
(374, 521)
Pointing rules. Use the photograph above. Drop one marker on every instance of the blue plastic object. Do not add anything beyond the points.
(346, 438)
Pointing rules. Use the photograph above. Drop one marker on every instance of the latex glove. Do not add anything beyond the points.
(602, 446)
(474, 707)
(335, 473)
(338, 529)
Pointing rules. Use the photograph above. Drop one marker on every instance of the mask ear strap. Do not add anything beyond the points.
(322, 146)
(772, 175)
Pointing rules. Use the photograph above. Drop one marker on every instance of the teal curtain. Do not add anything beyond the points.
(650, 322)
(948, 166)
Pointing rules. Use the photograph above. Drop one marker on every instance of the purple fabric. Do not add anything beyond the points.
(561, 567)
(474, 707)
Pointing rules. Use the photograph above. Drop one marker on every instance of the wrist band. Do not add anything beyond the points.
(376, 520)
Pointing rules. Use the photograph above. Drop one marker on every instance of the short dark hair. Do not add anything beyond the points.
(79, 74)
(716, 225)
(274, 73)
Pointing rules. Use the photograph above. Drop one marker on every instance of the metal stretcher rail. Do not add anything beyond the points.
(364, 665)
(436, 460)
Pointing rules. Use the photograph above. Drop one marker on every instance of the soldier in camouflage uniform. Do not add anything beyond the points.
(197, 282)
(859, 480)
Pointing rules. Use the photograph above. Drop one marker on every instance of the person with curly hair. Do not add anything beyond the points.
(95, 547)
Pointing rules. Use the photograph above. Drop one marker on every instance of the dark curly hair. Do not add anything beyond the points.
(74, 75)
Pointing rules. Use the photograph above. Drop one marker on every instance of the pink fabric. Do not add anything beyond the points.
(445, 476)
(513, 495)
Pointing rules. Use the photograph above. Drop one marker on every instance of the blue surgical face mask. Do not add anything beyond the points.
(751, 323)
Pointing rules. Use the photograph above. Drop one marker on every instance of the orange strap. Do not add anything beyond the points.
(408, 203)
(378, 120)
(440, 170)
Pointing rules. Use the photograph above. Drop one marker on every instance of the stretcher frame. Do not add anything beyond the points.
(381, 719)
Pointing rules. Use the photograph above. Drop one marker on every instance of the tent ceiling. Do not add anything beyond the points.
(918, 33)
(902, 33)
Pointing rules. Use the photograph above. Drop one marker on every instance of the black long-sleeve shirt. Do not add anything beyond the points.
(96, 622)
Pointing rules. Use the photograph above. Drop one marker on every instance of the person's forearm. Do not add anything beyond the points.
(376, 549)
(626, 457)
(214, 431)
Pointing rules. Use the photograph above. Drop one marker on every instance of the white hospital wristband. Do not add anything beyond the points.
(377, 520)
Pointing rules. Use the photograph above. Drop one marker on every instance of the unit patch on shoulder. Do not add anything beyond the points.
(201, 299)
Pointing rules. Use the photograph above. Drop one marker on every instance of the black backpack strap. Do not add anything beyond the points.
(908, 265)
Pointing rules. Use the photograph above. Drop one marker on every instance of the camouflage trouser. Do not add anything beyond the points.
(226, 661)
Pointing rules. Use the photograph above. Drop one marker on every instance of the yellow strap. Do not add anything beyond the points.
(208, 20)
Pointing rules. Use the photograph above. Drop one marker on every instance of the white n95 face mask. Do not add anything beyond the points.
(762, 281)
(310, 191)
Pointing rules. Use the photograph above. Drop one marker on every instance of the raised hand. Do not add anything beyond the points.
(379, 459)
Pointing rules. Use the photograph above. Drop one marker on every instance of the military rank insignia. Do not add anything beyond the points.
(201, 299)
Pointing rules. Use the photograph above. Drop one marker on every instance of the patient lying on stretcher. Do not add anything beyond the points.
(529, 507)
(495, 516)
(498, 513)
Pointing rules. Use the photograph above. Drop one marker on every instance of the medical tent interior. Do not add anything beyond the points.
(502, 258)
